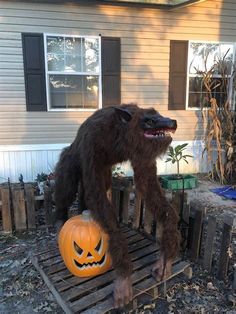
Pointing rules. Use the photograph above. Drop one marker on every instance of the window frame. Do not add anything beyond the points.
(191, 75)
(47, 73)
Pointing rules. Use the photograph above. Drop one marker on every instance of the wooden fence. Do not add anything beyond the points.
(18, 204)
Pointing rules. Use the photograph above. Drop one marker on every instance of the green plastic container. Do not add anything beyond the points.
(171, 183)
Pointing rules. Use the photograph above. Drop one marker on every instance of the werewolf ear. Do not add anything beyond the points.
(123, 114)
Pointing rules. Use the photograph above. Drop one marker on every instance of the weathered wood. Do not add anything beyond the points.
(137, 210)
(18, 200)
(30, 206)
(159, 232)
(209, 243)
(48, 204)
(93, 295)
(229, 224)
(125, 205)
(234, 278)
(60, 301)
(141, 287)
(116, 201)
(92, 284)
(196, 236)
(63, 274)
(148, 221)
(6, 210)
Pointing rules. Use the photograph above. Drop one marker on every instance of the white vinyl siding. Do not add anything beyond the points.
(145, 37)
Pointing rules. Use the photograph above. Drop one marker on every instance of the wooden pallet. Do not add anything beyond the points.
(94, 295)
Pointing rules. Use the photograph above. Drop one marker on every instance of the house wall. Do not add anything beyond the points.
(145, 37)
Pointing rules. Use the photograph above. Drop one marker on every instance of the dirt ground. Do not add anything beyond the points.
(22, 289)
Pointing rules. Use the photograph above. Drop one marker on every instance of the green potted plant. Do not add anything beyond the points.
(178, 181)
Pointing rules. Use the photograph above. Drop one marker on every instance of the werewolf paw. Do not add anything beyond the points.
(123, 292)
(160, 271)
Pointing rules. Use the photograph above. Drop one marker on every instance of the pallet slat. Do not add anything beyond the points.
(229, 224)
(93, 295)
(30, 206)
(19, 209)
(208, 253)
(6, 210)
(196, 236)
(109, 276)
(138, 289)
(137, 211)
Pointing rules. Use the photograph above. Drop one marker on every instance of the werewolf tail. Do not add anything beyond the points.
(67, 177)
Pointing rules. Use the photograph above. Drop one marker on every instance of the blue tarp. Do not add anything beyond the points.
(226, 191)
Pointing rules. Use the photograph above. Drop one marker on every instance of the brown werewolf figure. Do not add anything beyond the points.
(113, 135)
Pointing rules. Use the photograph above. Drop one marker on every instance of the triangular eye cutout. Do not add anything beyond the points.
(98, 247)
(78, 249)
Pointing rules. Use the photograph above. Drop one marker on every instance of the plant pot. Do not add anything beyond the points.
(175, 182)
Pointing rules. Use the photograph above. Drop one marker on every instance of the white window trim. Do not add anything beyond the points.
(45, 35)
(188, 64)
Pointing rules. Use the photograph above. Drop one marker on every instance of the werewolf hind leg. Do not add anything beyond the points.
(96, 200)
(66, 182)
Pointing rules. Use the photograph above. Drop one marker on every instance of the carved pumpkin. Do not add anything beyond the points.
(84, 246)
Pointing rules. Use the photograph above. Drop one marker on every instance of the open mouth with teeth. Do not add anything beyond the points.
(158, 133)
(91, 264)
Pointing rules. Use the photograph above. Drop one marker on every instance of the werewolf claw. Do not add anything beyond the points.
(160, 271)
(122, 292)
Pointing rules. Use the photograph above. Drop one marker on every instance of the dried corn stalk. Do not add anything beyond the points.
(220, 127)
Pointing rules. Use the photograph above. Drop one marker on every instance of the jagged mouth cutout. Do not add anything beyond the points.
(92, 264)
(88, 264)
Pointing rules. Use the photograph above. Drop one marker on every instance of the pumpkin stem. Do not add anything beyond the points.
(86, 215)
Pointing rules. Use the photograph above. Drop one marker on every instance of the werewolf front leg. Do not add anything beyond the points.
(147, 184)
(95, 188)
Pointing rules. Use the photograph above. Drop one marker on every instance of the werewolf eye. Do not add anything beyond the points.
(98, 247)
(150, 122)
(78, 249)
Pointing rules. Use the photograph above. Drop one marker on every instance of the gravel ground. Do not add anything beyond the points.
(22, 289)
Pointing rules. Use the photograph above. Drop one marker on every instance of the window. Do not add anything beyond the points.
(192, 64)
(73, 72)
(210, 68)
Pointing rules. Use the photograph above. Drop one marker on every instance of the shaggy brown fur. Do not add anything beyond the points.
(112, 135)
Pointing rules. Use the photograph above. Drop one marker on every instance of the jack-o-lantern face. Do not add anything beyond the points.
(84, 246)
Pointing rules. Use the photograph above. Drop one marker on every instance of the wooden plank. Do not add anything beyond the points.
(94, 283)
(209, 243)
(94, 297)
(6, 210)
(56, 264)
(19, 210)
(125, 205)
(229, 224)
(30, 206)
(196, 236)
(137, 254)
(148, 221)
(48, 205)
(116, 201)
(137, 210)
(159, 232)
(139, 288)
(65, 274)
(60, 301)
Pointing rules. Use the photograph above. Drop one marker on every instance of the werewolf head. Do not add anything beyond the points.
(147, 132)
